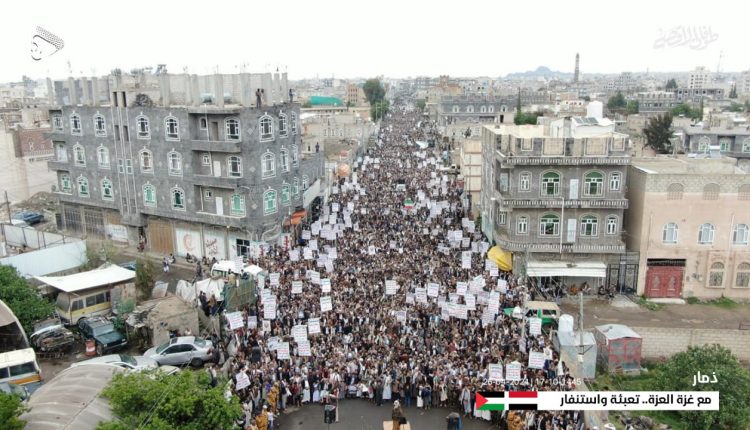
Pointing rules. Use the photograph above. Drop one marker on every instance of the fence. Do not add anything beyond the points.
(665, 342)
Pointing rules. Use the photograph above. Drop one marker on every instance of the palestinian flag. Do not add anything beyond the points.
(502, 400)
(409, 204)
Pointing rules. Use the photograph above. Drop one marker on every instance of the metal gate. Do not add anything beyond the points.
(623, 275)
(72, 217)
(160, 237)
(94, 222)
(664, 281)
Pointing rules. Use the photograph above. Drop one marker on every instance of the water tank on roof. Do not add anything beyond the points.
(207, 97)
(565, 323)
(595, 109)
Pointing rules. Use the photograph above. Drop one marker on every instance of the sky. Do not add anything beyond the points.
(347, 39)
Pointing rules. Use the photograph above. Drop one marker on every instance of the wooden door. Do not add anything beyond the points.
(160, 237)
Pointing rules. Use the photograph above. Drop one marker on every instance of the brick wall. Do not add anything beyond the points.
(661, 341)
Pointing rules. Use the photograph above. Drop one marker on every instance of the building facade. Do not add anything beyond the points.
(656, 102)
(688, 220)
(699, 78)
(214, 180)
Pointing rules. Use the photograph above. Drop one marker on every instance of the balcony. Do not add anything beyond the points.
(59, 164)
(217, 181)
(507, 161)
(234, 147)
(551, 244)
(546, 203)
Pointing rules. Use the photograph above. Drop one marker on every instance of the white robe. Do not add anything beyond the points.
(420, 402)
(387, 388)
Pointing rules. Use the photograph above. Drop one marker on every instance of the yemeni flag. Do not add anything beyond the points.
(409, 204)
(502, 400)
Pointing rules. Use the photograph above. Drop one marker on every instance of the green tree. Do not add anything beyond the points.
(421, 103)
(735, 107)
(658, 133)
(671, 85)
(379, 109)
(307, 105)
(11, 408)
(733, 92)
(732, 382)
(617, 102)
(145, 271)
(632, 107)
(156, 401)
(23, 299)
(586, 98)
(374, 91)
(683, 109)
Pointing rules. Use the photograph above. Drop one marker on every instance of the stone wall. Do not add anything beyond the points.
(665, 341)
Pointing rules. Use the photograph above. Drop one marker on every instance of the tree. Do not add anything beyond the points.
(632, 107)
(11, 408)
(658, 133)
(733, 92)
(156, 401)
(374, 91)
(732, 382)
(684, 109)
(379, 109)
(586, 98)
(671, 85)
(617, 102)
(144, 277)
(23, 299)
(421, 103)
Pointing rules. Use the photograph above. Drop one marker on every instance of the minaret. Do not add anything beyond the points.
(575, 77)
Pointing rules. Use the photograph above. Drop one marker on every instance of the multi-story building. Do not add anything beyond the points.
(193, 164)
(557, 203)
(355, 95)
(688, 220)
(25, 149)
(699, 78)
(486, 109)
(656, 102)
(695, 95)
(743, 86)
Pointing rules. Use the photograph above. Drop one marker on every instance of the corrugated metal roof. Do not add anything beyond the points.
(111, 274)
(617, 331)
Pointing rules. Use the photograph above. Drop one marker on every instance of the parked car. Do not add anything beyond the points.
(18, 390)
(125, 361)
(51, 336)
(29, 217)
(130, 265)
(182, 350)
(19, 223)
(103, 332)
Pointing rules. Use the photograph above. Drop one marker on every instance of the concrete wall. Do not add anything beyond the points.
(49, 260)
(664, 341)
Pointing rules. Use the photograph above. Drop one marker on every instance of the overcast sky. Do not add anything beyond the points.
(361, 39)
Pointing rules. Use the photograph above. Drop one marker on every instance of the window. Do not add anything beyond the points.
(142, 127)
(295, 160)
(491, 109)
(233, 129)
(501, 218)
(75, 124)
(79, 155)
(107, 190)
(102, 157)
(284, 156)
(234, 166)
(716, 275)
(174, 160)
(208, 195)
(171, 128)
(743, 192)
(550, 184)
(57, 123)
(282, 125)
(469, 109)
(524, 181)
(483, 109)
(285, 194)
(65, 184)
(706, 234)
(674, 191)
(238, 205)
(615, 179)
(203, 123)
(589, 226)
(711, 192)
(129, 166)
(725, 144)
(100, 128)
(266, 128)
(611, 225)
(669, 234)
(178, 199)
(269, 202)
(120, 165)
(206, 159)
(305, 182)
(522, 225)
(743, 276)
(592, 185)
(269, 165)
(294, 123)
(703, 144)
(740, 234)
(295, 187)
(745, 144)
(149, 195)
(147, 161)
(83, 187)
(456, 109)
(549, 225)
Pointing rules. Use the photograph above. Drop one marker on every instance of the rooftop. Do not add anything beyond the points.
(717, 130)
(667, 165)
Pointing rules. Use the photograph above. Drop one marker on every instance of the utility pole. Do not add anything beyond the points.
(7, 205)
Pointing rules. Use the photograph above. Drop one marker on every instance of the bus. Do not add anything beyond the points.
(74, 306)
(21, 368)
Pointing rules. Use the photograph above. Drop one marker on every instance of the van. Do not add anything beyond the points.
(549, 312)
(71, 307)
(21, 368)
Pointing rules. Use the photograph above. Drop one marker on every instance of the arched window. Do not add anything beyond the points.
(295, 160)
(284, 157)
(268, 165)
(706, 234)
(234, 166)
(286, 194)
(143, 129)
(294, 123)
(589, 225)
(102, 157)
(83, 187)
(75, 124)
(524, 181)
(550, 184)
(704, 143)
(178, 199)
(295, 187)
(716, 275)
(746, 145)
(593, 184)
(100, 129)
(522, 225)
(503, 108)
(711, 192)
(491, 109)
(266, 128)
(740, 234)
(549, 225)
(149, 195)
(456, 109)
(469, 109)
(147, 161)
(232, 127)
(174, 161)
(483, 109)
(674, 191)
(669, 234)
(305, 182)
(107, 193)
(269, 202)
(66, 185)
(171, 128)
(79, 155)
(743, 192)
(282, 125)
(742, 280)
(615, 180)
(238, 205)
(611, 224)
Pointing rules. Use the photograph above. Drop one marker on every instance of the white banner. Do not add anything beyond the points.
(496, 372)
(536, 360)
(313, 325)
(433, 290)
(242, 381)
(296, 287)
(282, 351)
(535, 326)
(235, 320)
(325, 285)
(513, 371)
(326, 304)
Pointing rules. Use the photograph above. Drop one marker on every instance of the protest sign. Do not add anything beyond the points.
(326, 304)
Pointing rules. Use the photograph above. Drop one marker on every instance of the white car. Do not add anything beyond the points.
(125, 361)
(180, 351)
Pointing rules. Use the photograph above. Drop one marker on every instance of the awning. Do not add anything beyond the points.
(297, 217)
(109, 275)
(585, 269)
(501, 257)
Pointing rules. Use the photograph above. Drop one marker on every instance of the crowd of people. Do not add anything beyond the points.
(416, 310)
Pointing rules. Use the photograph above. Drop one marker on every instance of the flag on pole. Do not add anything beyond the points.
(409, 204)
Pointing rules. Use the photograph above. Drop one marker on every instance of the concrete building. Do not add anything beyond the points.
(695, 95)
(689, 221)
(656, 102)
(699, 79)
(727, 141)
(355, 95)
(557, 203)
(743, 86)
(194, 164)
(477, 109)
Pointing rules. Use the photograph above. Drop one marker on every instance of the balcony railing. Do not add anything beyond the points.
(559, 160)
(545, 203)
(216, 146)
(216, 181)
(583, 246)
